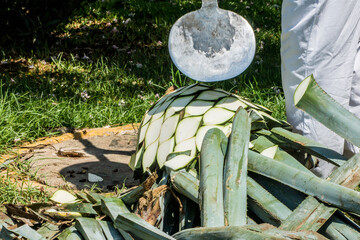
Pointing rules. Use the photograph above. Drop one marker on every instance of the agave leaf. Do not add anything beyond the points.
(139, 227)
(339, 196)
(265, 205)
(211, 95)
(70, 234)
(94, 197)
(312, 99)
(48, 230)
(112, 207)
(24, 231)
(186, 184)
(236, 171)
(211, 179)
(109, 231)
(348, 175)
(90, 229)
(297, 141)
(309, 215)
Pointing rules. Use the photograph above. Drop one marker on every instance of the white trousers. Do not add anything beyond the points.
(321, 37)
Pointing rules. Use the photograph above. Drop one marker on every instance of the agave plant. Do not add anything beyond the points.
(172, 130)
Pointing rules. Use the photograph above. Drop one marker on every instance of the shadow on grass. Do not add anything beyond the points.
(134, 33)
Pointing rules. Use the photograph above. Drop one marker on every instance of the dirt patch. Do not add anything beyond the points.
(101, 157)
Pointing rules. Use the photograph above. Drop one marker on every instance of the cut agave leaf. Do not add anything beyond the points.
(70, 234)
(194, 89)
(270, 152)
(134, 224)
(142, 132)
(187, 128)
(168, 128)
(211, 179)
(231, 103)
(109, 231)
(90, 229)
(201, 134)
(160, 111)
(178, 162)
(62, 196)
(146, 118)
(198, 107)
(188, 144)
(178, 105)
(137, 157)
(152, 133)
(149, 155)
(217, 116)
(211, 95)
(164, 149)
(23, 232)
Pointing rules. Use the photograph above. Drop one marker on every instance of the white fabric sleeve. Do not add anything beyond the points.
(321, 37)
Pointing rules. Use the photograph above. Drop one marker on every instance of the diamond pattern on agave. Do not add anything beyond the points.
(172, 130)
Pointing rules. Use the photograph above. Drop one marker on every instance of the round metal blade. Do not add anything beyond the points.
(212, 44)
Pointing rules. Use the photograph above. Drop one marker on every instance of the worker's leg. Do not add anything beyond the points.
(319, 37)
(354, 104)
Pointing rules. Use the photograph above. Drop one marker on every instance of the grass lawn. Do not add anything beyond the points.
(109, 62)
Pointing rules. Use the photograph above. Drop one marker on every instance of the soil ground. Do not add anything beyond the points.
(72, 160)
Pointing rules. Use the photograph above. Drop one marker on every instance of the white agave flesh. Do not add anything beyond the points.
(227, 129)
(177, 105)
(153, 131)
(146, 118)
(164, 149)
(211, 95)
(231, 103)
(201, 134)
(270, 152)
(149, 155)
(142, 132)
(62, 196)
(198, 107)
(217, 116)
(187, 128)
(186, 145)
(168, 128)
(178, 162)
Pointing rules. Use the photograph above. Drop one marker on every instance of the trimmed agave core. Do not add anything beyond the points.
(172, 130)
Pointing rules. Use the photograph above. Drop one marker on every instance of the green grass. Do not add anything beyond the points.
(109, 62)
